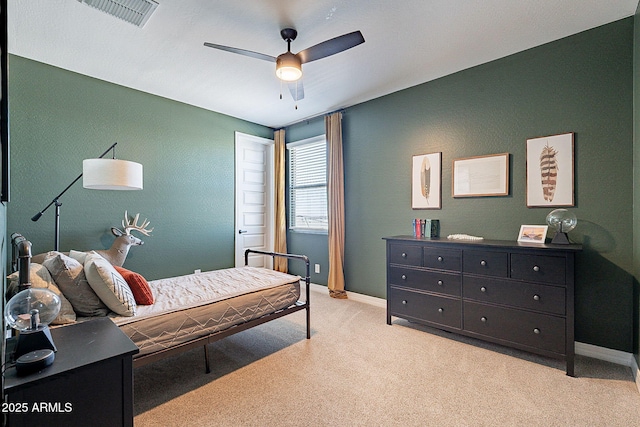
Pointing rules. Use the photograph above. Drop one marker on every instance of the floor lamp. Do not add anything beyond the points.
(99, 174)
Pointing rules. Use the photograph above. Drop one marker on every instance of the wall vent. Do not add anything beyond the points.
(136, 12)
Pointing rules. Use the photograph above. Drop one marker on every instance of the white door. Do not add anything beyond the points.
(254, 198)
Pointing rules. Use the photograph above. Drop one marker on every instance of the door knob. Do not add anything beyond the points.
(242, 231)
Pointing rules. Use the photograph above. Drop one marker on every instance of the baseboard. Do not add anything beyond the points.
(378, 302)
(606, 354)
(636, 373)
(609, 355)
(602, 353)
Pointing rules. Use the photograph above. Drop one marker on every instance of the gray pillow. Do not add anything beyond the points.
(39, 277)
(70, 278)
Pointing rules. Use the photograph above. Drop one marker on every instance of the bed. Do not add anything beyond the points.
(227, 301)
(187, 311)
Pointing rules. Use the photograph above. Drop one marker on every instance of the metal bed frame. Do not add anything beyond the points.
(21, 259)
(211, 338)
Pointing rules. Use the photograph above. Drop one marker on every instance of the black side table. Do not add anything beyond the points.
(89, 383)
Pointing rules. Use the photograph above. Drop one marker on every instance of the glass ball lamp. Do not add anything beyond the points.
(30, 311)
(563, 221)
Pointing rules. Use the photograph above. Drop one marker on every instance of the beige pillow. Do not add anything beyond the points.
(39, 277)
(69, 276)
(109, 285)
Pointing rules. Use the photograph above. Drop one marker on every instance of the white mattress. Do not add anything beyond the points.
(195, 305)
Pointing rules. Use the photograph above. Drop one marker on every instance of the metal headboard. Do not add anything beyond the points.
(21, 259)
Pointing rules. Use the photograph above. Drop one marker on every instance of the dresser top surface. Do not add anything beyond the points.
(485, 243)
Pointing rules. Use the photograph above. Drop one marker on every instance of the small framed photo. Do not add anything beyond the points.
(426, 189)
(533, 233)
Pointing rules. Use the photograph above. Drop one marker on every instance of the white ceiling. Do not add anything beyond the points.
(408, 42)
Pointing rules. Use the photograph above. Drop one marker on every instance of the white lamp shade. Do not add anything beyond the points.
(111, 174)
(288, 67)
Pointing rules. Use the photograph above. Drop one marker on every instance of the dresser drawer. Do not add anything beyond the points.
(485, 263)
(431, 281)
(442, 259)
(430, 308)
(405, 254)
(532, 296)
(538, 268)
(540, 331)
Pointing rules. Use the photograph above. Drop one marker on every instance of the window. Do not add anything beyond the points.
(308, 185)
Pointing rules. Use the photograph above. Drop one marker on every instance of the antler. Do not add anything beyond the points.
(132, 225)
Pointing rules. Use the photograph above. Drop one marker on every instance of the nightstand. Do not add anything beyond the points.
(89, 383)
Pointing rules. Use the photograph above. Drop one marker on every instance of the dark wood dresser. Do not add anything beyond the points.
(515, 294)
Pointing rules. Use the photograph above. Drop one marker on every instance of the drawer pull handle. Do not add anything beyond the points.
(440, 283)
(536, 330)
(404, 302)
(440, 310)
(536, 268)
(483, 289)
(483, 263)
(404, 255)
(483, 319)
(536, 297)
(440, 259)
(404, 277)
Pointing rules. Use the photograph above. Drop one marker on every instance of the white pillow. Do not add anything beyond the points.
(109, 285)
(39, 277)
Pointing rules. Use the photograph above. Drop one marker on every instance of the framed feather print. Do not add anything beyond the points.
(426, 188)
(550, 173)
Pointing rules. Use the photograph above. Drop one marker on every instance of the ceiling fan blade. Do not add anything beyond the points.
(297, 90)
(244, 52)
(331, 47)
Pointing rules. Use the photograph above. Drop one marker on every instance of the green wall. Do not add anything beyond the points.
(315, 246)
(580, 84)
(59, 118)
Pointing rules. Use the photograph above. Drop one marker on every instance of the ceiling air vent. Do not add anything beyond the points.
(136, 12)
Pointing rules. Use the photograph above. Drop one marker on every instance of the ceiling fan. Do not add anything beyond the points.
(289, 65)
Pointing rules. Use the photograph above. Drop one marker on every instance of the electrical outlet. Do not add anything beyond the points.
(197, 270)
(317, 268)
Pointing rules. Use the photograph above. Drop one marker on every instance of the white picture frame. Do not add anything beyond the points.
(533, 234)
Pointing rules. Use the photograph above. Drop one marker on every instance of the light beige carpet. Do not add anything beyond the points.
(358, 371)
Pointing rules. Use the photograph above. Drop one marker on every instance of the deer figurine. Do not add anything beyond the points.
(118, 251)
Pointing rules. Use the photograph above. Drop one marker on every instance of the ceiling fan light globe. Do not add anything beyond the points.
(288, 67)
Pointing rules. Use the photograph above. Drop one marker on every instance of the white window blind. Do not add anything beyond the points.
(308, 185)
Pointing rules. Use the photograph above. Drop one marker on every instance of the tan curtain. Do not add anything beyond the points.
(280, 238)
(335, 197)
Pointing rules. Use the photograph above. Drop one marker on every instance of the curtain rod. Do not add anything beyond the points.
(340, 110)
